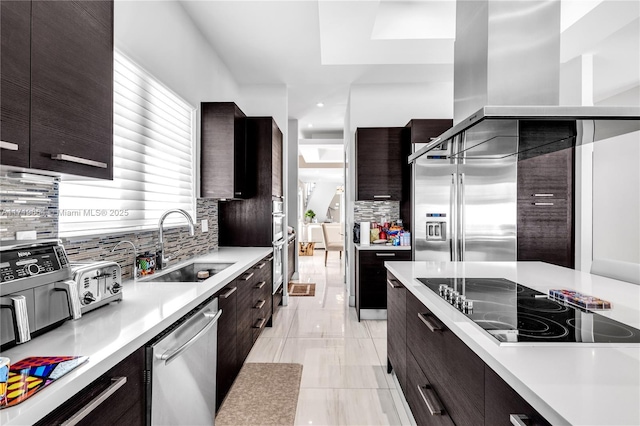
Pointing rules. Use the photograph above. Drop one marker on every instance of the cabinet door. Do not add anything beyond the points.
(15, 31)
(291, 259)
(124, 405)
(276, 161)
(455, 372)
(372, 277)
(397, 328)
(227, 360)
(379, 164)
(502, 402)
(545, 208)
(72, 87)
(244, 315)
(425, 130)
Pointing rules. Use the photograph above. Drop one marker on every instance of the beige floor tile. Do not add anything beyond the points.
(318, 407)
(266, 349)
(328, 324)
(377, 328)
(336, 363)
(281, 323)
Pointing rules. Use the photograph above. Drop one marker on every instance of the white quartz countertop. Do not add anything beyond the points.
(110, 333)
(380, 247)
(577, 384)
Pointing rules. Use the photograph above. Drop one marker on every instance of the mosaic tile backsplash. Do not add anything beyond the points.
(37, 209)
(373, 211)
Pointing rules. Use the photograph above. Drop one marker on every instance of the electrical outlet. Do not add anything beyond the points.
(205, 225)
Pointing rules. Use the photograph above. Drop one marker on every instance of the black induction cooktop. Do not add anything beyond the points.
(513, 313)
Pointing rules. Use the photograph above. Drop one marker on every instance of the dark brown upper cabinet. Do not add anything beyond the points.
(15, 30)
(380, 162)
(69, 96)
(228, 159)
(425, 130)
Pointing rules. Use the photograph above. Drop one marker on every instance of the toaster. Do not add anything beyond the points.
(98, 283)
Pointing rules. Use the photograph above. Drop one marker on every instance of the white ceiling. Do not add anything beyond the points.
(319, 48)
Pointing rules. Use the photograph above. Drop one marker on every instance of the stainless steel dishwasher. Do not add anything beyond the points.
(181, 365)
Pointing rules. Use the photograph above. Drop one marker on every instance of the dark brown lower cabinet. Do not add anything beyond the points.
(244, 332)
(397, 329)
(227, 359)
(502, 403)
(426, 407)
(124, 405)
(371, 277)
(291, 258)
(446, 382)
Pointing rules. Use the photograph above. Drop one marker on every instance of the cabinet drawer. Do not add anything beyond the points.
(502, 402)
(227, 360)
(397, 328)
(454, 370)
(244, 315)
(118, 395)
(425, 404)
(372, 276)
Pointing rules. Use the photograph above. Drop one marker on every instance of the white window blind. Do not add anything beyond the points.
(153, 161)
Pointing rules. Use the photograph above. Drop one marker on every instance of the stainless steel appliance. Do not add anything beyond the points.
(278, 218)
(465, 200)
(465, 197)
(516, 314)
(36, 290)
(99, 283)
(182, 367)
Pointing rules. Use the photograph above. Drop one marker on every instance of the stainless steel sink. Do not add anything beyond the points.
(187, 273)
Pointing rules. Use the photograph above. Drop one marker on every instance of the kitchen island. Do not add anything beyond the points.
(567, 383)
(111, 333)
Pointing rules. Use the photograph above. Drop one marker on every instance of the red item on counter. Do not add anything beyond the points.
(383, 235)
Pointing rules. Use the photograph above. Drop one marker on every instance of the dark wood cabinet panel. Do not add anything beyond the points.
(545, 208)
(424, 130)
(276, 161)
(379, 163)
(15, 84)
(501, 402)
(248, 223)
(227, 162)
(371, 277)
(417, 386)
(455, 372)
(397, 329)
(124, 407)
(291, 258)
(244, 315)
(227, 359)
(72, 86)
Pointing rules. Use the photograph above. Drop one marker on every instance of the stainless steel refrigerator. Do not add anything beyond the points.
(464, 196)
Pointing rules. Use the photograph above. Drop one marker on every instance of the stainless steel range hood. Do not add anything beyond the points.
(499, 123)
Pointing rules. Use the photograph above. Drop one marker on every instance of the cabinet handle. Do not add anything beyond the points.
(543, 195)
(9, 146)
(79, 160)
(260, 304)
(519, 419)
(385, 254)
(167, 358)
(269, 259)
(260, 284)
(248, 277)
(391, 283)
(260, 323)
(229, 292)
(431, 400)
(542, 204)
(116, 383)
(429, 323)
(382, 196)
(260, 266)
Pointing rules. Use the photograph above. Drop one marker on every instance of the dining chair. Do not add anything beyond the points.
(332, 239)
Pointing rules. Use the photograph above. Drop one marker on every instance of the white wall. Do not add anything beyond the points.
(266, 101)
(616, 198)
(161, 37)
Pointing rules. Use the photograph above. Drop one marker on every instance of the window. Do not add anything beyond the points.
(153, 161)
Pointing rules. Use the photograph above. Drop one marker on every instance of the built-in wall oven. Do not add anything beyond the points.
(278, 219)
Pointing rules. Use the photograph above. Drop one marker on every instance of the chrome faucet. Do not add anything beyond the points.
(135, 256)
(161, 261)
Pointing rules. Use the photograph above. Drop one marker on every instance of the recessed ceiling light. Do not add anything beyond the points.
(309, 125)
(320, 104)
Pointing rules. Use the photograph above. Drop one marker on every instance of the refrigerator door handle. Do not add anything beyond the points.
(462, 217)
(453, 239)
